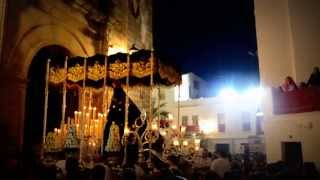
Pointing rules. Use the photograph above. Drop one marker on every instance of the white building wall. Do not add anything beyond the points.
(288, 35)
(207, 110)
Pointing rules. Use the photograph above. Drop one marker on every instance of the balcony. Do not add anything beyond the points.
(298, 101)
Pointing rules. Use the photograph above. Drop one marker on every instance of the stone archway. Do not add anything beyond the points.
(34, 107)
(14, 73)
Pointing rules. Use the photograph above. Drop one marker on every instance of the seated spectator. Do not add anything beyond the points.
(221, 165)
(314, 79)
(288, 85)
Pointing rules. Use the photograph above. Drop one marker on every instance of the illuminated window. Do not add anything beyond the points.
(246, 125)
(195, 120)
(184, 120)
(221, 122)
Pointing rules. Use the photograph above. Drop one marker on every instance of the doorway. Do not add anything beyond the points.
(292, 153)
(34, 107)
(223, 148)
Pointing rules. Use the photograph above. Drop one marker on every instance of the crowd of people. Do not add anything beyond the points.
(290, 85)
(200, 166)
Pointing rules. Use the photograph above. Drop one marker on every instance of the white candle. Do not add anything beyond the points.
(94, 113)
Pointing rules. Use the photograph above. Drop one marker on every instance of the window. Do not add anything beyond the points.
(259, 123)
(184, 120)
(196, 85)
(221, 122)
(195, 120)
(246, 125)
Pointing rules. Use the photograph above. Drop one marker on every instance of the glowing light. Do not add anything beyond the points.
(174, 126)
(259, 114)
(228, 95)
(176, 143)
(185, 143)
(143, 115)
(208, 126)
(197, 141)
(170, 116)
(163, 132)
(126, 130)
(115, 50)
(196, 148)
(254, 95)
(154, 126)
(183, 129)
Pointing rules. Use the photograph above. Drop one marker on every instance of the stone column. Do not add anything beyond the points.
(12, 106)
(2, 22)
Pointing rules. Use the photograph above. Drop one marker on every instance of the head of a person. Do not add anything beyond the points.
(98, 172)
(316, 70)
(172, 160)
(289, 80)
(222, 154)
(205, 153)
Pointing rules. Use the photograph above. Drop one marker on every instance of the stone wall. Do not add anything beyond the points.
(33, 24)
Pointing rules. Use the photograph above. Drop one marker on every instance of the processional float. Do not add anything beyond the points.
(137, 73)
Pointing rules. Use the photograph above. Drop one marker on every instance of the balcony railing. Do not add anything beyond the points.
(298, 101)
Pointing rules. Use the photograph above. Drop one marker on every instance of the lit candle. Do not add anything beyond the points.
(96, 130)
(85, 129)
(94, 113)
(77, 129)
(75, 115)
(183, 129)
(126, 131)
(87, 118)
(79, 117)
(185, 143)
(176, 143)
(69, 123)
(154, 126)
(55, 130)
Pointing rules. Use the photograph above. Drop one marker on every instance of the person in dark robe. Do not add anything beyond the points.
(314, 79)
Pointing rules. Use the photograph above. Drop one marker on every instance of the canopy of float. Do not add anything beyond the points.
(117, 70)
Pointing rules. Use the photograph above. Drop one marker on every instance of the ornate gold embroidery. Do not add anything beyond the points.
(141, 69)
(96, 72)
(75, 73)
(118, 70)
(56, 75)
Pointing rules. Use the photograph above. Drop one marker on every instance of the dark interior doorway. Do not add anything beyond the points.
(223, 148)
(292, 153)
(33, 125)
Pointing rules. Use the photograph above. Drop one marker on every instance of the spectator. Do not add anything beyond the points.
(173, 162)
(289, 85)
(314, 79)
(221, 165)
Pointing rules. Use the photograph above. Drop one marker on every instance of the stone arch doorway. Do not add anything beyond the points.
(34, 106)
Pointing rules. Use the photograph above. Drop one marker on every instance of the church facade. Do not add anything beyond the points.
(79, 27)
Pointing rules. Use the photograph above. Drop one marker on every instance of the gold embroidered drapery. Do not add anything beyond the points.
(116, 70)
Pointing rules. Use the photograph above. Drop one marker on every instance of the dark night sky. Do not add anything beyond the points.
(210, 38)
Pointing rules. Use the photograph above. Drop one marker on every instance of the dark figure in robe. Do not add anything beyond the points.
(314, 79)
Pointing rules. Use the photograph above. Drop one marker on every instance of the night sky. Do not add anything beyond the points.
(211, 38)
